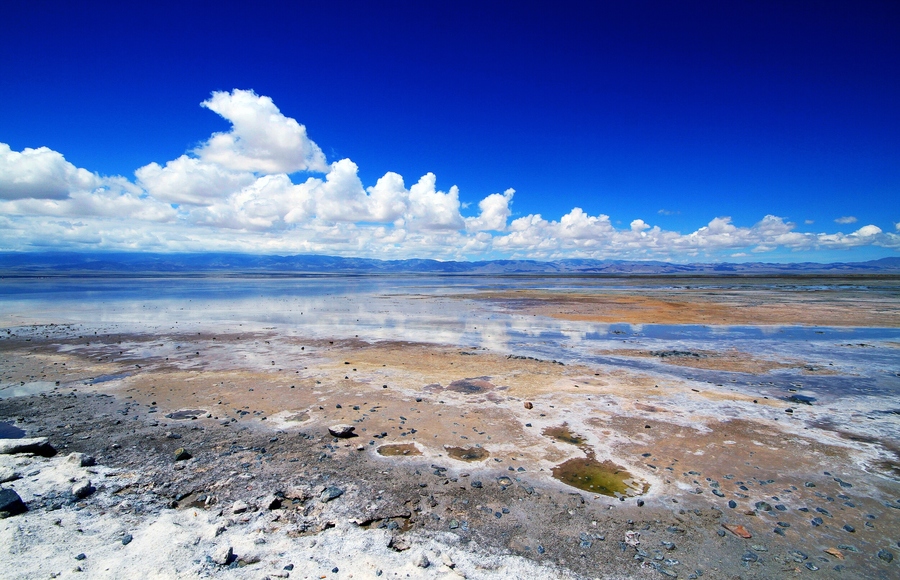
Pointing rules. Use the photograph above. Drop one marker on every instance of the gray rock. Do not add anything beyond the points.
(35, 445)
(223, 555)
(239, 507)
(181, 454)
(82, 489)
(342, 430)
(80, 459)
(421, 560)
(330, 493)
(11, 504)
(126, 539)
(9, 474)
(886, 555)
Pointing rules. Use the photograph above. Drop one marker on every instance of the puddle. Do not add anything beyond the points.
(107, 378)
(186, 414)
(562, 433)
(10, 431)
(605, 478)
(471, 386)
(32, 388)
(803, 399)
(468, 453)
(399, 449)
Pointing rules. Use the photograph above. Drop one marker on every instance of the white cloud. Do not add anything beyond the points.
(261, 138)
(494, 212)
(191, 181)
(847, 219)
(234, 193)
(40, 174)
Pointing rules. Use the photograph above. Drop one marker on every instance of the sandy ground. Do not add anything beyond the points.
(702, 306)
(473, 492)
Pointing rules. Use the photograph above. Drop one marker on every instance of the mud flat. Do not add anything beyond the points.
(204, 450)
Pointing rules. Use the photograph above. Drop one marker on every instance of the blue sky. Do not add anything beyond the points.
(684, 131)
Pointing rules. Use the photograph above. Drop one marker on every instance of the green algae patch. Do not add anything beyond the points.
(605, 477)
(563, 434)
(399, 449)
(468, 453)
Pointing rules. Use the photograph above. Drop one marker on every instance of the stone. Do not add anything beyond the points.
(738, 530)
(126, 539)
(330, 493)
(886, 555)
(34, 445)
(529, 405)
(421, 560)
(9, 474)
(239, 507)
(11, 504)
(181, 454)
(223, 555)
(81, 459)
(834, 552)
(82, 489)
(342, 430)
(750, 557)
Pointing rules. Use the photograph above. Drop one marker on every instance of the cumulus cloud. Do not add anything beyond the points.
(847, 219)
(40, 174)
(495, 211)
(240, 191)
(261, 138)
(191, 181)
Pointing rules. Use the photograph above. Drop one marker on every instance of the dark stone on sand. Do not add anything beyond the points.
(750, 557)
(11, 504)
(331, 492)
(732, 504)
(849, 528)
(886, 555)
(80, 556)
(126, 539)
(476, 484)
(181, 454)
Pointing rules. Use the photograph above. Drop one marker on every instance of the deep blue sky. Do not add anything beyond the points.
(705, 109)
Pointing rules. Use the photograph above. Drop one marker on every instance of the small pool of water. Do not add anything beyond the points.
(399, 449)
(10, 431)
(603, 477)
(468, 453)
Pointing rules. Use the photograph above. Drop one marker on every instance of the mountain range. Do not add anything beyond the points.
(124, 263)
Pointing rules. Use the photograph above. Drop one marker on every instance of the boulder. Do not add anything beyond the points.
(11, 504)
(35, 445)
(82, 489)
(342, 430)
(81, 459)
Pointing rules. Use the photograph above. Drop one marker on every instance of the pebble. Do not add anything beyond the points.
(10, 503)
(750, 557)
(886, 555)
(126, 539)
(849, 528)
(330, 493)
(223, 555)
(421, 560)
(181, 454)
(82, 489)
(732, 504)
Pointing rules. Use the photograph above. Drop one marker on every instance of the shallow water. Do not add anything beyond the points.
(429, 309)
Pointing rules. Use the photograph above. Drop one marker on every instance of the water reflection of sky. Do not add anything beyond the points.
(421, 309)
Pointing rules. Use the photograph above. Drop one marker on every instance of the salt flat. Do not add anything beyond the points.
(616, 427)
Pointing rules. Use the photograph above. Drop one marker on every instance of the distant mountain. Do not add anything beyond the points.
(125, 263)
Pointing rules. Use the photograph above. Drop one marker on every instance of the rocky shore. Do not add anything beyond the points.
(365, 460)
